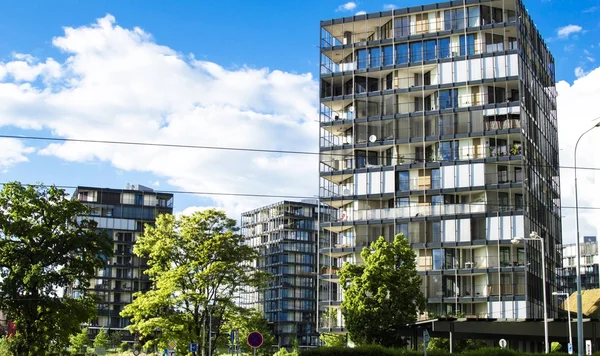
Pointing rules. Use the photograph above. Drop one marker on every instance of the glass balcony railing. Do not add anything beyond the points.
(421, 210)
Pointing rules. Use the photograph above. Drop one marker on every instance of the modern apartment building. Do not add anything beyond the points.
(122, 213)
(285, 235)
(439, 122)
(567, 276)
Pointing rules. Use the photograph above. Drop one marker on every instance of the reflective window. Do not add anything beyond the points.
(388, 55)
(429, 51)
(416, 51)
(402, 54)
(444, 47)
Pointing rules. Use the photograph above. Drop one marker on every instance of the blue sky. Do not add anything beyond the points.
(233, 73)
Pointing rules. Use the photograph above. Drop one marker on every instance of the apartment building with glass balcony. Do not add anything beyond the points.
(567, 275)
(285, 235)
(439, 122)
(122, 213)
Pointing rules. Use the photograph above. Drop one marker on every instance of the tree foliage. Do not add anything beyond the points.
(44, 246)
(246, 321)
(102, 339)
(333, 340)
(80, 341)
(383, 294)
(458, 345)
(115, 338)
(197, 264)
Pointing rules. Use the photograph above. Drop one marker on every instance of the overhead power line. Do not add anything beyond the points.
(220, 148)
(313, 197)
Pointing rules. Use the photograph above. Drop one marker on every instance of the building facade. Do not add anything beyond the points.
(567, 276)
(285, 235)
(439, 122)
(122, 213)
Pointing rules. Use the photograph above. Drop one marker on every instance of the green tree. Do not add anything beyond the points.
(46, 246)
(333, 340)
(102, 339)
(115, 338)
(4, 347)
(198, 264)
(80, 342)
(246, 321)
(383, 294)
(458, 345)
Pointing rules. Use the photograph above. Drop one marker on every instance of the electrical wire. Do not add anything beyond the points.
(225, 148)
(314, 197)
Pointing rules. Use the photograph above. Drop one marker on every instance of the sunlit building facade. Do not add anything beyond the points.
(439, 122)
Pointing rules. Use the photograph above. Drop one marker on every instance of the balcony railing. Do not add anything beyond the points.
(421, 210)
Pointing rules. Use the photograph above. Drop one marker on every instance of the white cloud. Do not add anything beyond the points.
(12, 151)
(580, 72)
(389, 7)
(119, 84)
(576, 110)
(591, 9)
(361, 13)
(591, 59)
(566, 31)
(349, 6)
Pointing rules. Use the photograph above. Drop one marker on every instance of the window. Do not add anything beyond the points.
(401, 27)
(438, 258)
(429, 50)
(435, 178)
(416, 51)
(505, 256)
(422, 23)
(402, 229)
(467, 46)
(448, 98)
(437, 200)
(449, 150)
(375, 57)
(473, 20)
(402, 202)
(401, 54)
(444, 47)
(388, 56)
(436, 231)
(361, 59)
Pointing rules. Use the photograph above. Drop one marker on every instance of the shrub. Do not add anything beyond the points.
(124, 346)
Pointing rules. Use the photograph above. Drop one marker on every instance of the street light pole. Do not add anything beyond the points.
(568, 314)
(580, 335)
(535, 237)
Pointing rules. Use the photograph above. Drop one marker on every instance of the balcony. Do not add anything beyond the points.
(421, 210)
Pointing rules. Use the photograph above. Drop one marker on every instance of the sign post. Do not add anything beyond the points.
(193, 348)
(502, 343)
(425, 341)
(255, 340)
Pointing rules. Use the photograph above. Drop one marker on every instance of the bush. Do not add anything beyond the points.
(375, 350)
(124, 346)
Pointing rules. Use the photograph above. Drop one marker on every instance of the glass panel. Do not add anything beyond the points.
(444, 47)
(375, 57)
(435, 179)
(402, 202)
(448, 17)
(438, 258)
(416, 51)
(401, 27)
(402, 54)
(361, 58)
(473, 16)
(388, 55)
(429, 50)
(403, 181)
(437, 200)
(460, 19)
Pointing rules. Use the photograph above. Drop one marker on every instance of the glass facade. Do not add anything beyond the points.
(454, 144)
(122, 214)
(285, 235)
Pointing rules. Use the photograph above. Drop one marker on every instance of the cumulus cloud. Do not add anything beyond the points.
(12, 151)
(361, 13)
(566, 31)
(349, 6)
(389, 7)
(119, 84)
(576, 114)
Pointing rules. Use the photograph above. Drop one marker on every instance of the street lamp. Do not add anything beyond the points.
(535, 237)
(579, 311)
(568, 313)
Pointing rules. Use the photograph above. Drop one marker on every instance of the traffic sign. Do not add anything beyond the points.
(172, 344)
(255, 339)
(426, 336)
(193, 347)
(570, 348)
(588, 347)
(136, 352)
(502, 343)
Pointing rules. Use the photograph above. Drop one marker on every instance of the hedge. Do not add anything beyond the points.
(376, 350)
